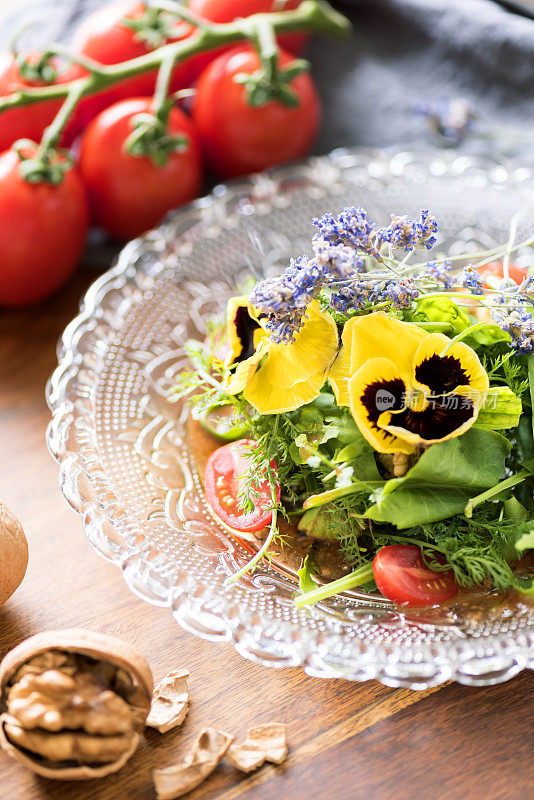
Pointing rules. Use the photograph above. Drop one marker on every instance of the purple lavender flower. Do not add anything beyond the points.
(338, 261)
(352, 297)
(351, 227)
(452, 118)
(515, 320)
(410, 234)
(401, 293)
(338, 264)
(470, 279)
(438, 272)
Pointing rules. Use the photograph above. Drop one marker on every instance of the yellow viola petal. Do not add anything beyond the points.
(233, 337)
(375, 388)
(380, 336)
(312, 351)
(339, 372)
(460, 366)
(236, 381)
(269, 399)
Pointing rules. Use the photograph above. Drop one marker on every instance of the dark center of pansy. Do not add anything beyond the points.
(440, 418)
(383, 395)
(245, 327)
(442, 374)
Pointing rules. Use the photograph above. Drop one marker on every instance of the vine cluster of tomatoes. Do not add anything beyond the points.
(125, 154)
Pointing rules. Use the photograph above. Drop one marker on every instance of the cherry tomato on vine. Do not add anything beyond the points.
(225, 470)
(128, 193)
(106, 38)
(238, 139)
(495, 268)
(42, 231)
(402, 576)
(229, 10)
(26, 122)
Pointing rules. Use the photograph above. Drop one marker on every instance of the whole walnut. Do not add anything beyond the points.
(13, 553)
(73, 703)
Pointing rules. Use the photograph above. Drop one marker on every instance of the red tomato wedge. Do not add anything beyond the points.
(517, 274)
(402, 576)
(225, 470)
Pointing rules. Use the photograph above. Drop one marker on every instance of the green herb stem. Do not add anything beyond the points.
(359, 577)
(508, 483)
(462, 335)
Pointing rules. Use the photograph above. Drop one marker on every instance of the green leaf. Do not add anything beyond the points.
(525, 542)
(531, 385)
(443, 480)
(525, 586)
(514, 511)
(306, 582)
(441, 309)
(316, 524)
(501, 410)
(487, 335)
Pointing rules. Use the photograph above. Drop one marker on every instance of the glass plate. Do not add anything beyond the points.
(122, 450)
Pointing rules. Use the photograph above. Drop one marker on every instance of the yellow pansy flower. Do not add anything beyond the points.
(278, 377)
(401, 390)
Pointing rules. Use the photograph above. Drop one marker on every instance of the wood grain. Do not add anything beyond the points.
(348, 741)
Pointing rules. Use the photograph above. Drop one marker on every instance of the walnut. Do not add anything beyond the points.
(262, 743)
(13, 553)
(75, 703)
(178, 779)
(170, 702)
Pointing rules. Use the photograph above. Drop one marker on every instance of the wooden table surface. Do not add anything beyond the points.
(348, 741)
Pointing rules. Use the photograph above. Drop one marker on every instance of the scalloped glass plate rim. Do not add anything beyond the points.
(119, 537)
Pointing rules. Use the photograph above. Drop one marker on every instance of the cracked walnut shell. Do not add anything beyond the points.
(74, 703)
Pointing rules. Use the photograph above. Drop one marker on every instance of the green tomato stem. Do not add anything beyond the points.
(161, 106)
(53, 133)
(315, 16)
(56, 49)
(180, 11)
(267, 48)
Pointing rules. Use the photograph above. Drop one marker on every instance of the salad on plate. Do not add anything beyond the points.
(365, 419)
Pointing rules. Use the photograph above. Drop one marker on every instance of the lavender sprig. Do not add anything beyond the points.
(337, 264)
(354, 270)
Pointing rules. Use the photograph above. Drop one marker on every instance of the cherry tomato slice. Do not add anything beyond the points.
(223, 478)
(402, 576)
(517, 274)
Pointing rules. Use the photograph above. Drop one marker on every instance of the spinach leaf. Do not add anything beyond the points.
(440, 484)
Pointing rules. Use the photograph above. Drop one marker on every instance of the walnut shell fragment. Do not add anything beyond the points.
(262, 743)
(170, 702)
(178, 779)
(73, 703)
